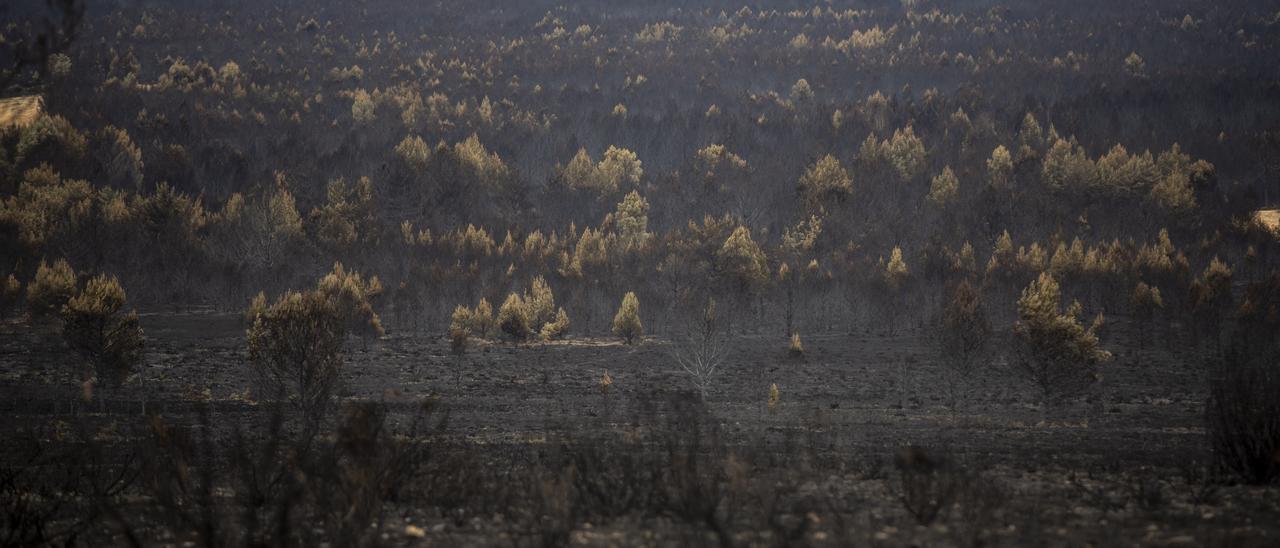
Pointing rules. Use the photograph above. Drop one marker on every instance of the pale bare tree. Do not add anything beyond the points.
(703, 350)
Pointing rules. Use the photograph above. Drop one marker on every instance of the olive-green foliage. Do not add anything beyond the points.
(59, 65)
(168, 215)
(905, 152)
(1000, 168)
(295, 345)
(47, 208)
(95, 325)
(348, 214)
(1146, 301)
(742, 260)
(121, 157)
(714, 164)
(801, 92)
(1029, 133)
(825, 182)
(1135, 66)
(1066, 167)
(487, 166)
(414, 152)
(353, 298)
(580, 173)
(51, 288)
(944, 188)
(460, 329)
(513, 318)
(539, 304)
(631, 219)
(626, 323)
(257, 306)
(482, 319)
(282, 213)
(363, 107)
(895, 271)
(50, 132)
(1052, 350)
(556, 329)
(618, 169)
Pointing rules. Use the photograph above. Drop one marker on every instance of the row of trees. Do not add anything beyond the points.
(155, 236)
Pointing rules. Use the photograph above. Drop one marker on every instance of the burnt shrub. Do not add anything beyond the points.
(1243, 408)
(1243, 416)
(928, 483)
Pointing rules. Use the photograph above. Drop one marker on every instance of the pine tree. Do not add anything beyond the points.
(353, 299)
(965, 333)
(482, 319)
(581, 173)
(1146, 301)
(1000, 168)
(460, 324)
(1210, 298)
(1174, 194)
(513, 318)
(95, 325)
(51, 288)
(414, 153)
(825, 182)
(626, 323)
(295, 345)
(256, 306)
(619, 169)
(487, 167)
(363, 108)
(801, 93)
(893, 274)
(631, 220)
(1052, 350)
(742, 260)
(1029, 133)
(1066, 167)
(1135, 66)
(895, 271)
(556, 329)
(905, 153)
(1003, 256)
(283, 219)
(944, 188)
(348, 214)
(717, 167)
(540, 304)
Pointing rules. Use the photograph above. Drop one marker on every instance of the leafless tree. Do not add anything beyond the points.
(703, 350)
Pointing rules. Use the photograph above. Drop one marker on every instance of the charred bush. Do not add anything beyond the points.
(1243, 409)
(928, 484)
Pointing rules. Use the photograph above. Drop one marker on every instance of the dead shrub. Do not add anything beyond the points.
(1243, 415)
(927, 483)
